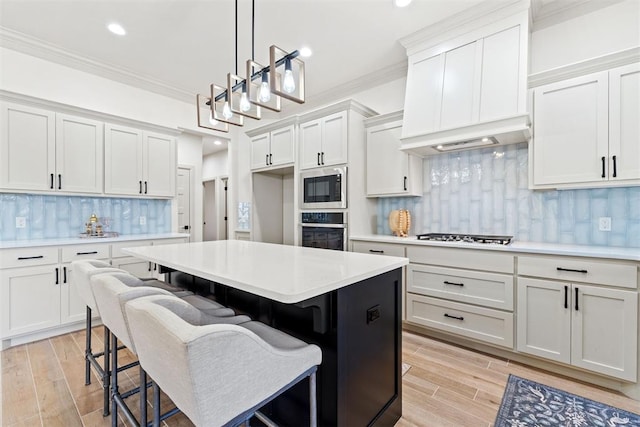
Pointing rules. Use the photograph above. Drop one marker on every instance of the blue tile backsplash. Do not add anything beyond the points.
(486, 191)
(64, 216)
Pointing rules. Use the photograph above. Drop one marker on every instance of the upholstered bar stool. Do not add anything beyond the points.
(217, 374)
(111, 292)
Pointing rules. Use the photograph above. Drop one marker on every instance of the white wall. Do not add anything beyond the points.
(215, 165)
(190, 154)
(604, 31)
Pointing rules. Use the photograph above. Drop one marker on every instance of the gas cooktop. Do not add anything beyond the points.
(471, 238)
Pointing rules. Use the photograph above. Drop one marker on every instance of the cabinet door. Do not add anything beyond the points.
(27, 148)
(334, 139)
(123, 160)
(282, 146)
(141, 269)
(30, 299)
(460, 89)
(570, 131)
(260, 151)
(79, 154)
(544, 320)
(72, 308)
(310, 144)
(423, 99)
(387, 166)
(160, 167)
(624, 123)
(605, 331)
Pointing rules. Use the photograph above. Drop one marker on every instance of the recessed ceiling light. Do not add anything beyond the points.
(217, 142)
(401, 3)
(305, 52)
(116, 28)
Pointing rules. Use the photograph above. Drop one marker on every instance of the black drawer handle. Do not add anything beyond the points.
(566, 296)
(22, 258)
(374, 251)
(446, 282)
(87, 253)
(615, 171)
(453, 317)
(57, 276)
(571, 270)
(405, 183)
(576, 299)
(603, 163)
(64, 274)
(59, 182)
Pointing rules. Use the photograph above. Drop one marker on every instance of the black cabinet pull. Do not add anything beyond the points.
(453, 317)
(322, 158)
(270, 159)
(405, 183)
(64, 274)
(266, 160)
(318, 159)
(615, 171)
(22, 258)
(446, 282)
(140, 186)
(155, 266)
(603, 160)
(51, 186)
(186, 227)
(59, 182)
(87, 253)
(566, 296)
(374, 251)
(149, 269)
(571, 270)
(576, 299)
(145, 187)
(57, 276)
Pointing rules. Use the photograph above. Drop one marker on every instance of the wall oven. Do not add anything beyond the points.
(324, 188)
(326, 230)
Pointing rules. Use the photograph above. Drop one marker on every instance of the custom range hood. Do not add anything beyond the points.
(467, 81)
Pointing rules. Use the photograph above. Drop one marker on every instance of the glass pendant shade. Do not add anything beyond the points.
(288, 82)
(257, 93)
(287, 88)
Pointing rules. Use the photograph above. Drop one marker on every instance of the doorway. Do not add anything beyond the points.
(215, 209)
(185, 198)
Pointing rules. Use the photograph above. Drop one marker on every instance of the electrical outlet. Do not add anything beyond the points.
(143, 220)
(21, 222)
(604, 223)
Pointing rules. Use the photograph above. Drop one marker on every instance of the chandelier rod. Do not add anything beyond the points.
(236, 16)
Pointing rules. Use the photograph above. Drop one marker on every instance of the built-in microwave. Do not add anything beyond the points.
(324, 188)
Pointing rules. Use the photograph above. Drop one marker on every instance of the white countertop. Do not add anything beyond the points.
(631, 254)
(86, 240)
(288, 274)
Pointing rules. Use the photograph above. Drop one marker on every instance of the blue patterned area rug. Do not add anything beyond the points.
(529, 404)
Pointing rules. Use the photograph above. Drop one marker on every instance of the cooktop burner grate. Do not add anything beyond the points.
(470, 238)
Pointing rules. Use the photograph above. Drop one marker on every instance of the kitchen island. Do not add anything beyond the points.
(347, 303)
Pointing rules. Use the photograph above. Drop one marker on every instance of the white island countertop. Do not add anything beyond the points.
(283, 273)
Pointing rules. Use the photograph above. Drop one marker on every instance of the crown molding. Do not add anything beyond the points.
(547, 15)
(293, 120)
(396, 116)
(38, 48)
(346, 105)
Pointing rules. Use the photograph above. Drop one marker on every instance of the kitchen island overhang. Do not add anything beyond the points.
(347, 303)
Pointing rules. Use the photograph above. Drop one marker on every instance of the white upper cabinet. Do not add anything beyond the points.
(273, 149)
(260, 151)
(459, 86)
(592, 120)
(44, 151)
(159, 165)
(390, 172)
(323, 142)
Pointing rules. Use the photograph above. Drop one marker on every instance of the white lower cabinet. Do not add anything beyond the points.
(591, 327)
(138, 268)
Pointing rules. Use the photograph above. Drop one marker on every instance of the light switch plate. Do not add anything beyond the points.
(143, 220)
(604, 223)
(21, 222)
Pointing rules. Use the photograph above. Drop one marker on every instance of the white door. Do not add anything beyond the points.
(334, 139)
(122, 160)
(138, 268)
(159, 168)
(184, 200)
(260, 151)
(27, 148)
(79, 154)
(224, 235)
(387, 166)
(624, 122)
(605, 331)
(282, 146)
(544, 319)
(310, 144)
(209, 226)
(72, 307)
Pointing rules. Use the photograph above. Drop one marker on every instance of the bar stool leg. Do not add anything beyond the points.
(114, 380)
(106, 380)
(143, 397)
(156, 404)
(313, 407)
(87, 350)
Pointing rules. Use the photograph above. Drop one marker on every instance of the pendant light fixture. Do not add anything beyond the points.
(262, 86)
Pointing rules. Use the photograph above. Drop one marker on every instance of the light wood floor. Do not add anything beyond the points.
(43, 385)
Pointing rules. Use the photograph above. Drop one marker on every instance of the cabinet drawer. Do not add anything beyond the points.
(169, 241)
(483, 324)
(586, 270)
(487, 289)
(116, 248)
(26, 257)
(461, 258)
(378, 248)
(91, 251)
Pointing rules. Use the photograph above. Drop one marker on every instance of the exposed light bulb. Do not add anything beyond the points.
(288, 82)
(226, 111)
(265, 92)
(212, 120)
(245, 105)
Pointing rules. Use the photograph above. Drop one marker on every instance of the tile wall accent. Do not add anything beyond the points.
(65, 216)
(485, 191)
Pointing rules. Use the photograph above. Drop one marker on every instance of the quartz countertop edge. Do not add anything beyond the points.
(284, 273)
(609, 252)
(8, 244)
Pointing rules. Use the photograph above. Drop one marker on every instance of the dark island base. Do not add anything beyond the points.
(358, 328)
